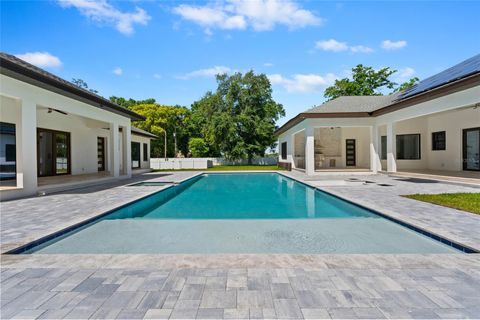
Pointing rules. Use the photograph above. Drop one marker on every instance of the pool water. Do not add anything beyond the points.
(242, 213)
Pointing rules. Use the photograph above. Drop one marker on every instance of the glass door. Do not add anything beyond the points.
(53, 152)
(135, 155)
(471, 149)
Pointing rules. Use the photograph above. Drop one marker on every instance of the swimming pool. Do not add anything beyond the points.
(242, 213)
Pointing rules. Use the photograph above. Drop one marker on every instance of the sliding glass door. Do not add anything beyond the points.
(471, 149)
(53, 152)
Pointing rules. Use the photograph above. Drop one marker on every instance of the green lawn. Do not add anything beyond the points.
(464, 201)
(230, 168)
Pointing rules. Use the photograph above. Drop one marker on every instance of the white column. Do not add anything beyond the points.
(114, 163)
(375, 164)
(391, 148)
(309, 151)
(127, 150)
(26, 140)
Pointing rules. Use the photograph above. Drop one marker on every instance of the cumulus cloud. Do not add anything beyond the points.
(338, 46)
(41, 59)
(303, 83)
(260, 15)
(117, 71)
(393, 45)
(205, 73)
(406, 73)
(103, 12)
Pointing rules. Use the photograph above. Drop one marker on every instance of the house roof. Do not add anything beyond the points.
(21, 70)
(459, 77)
(458, 71)
(354, 104)
(140, 132)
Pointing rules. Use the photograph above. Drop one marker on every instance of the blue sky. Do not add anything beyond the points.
(171, 50)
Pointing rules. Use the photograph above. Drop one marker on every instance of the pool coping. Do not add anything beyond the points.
(19, 247)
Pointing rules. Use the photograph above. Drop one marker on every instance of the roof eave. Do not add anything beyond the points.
(21, 73)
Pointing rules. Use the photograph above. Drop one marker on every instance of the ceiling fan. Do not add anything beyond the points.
(50, 110)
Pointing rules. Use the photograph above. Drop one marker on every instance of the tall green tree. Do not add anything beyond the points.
(408, 84)
(238, 119)
(161, 120)
(365, 81)
(128, 103)
(82, 84)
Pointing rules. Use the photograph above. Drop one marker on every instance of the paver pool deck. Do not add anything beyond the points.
(234, 286)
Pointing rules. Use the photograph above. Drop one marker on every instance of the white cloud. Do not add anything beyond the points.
(362, 49)
(117, 71)
(406, 73)
(393, 45)
(337, 46)
(268, 64)
(205, 73)
(303, 83)
(41, 59)
(103, 12)
(331, 45)
(157, 76)
(260, 15)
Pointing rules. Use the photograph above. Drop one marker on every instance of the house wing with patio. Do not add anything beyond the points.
(55, 134)
(434, 127)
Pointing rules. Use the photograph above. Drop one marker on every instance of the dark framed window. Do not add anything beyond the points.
(284, 150)
(439, 140)
(145, 152)
(8, 156)
(383, 147)
(408, 147)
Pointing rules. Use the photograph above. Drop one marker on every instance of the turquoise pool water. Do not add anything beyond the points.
(242, 213)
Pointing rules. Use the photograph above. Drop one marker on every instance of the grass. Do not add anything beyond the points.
(230, 168)
(463, 201)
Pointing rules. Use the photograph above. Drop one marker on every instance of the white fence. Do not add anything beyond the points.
(204, 163)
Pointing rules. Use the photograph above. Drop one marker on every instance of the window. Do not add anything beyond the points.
(438, 140)
(408, 147)
(145, 152)
(383, 147)
(8, 157)
(135, 155)
(284, 150)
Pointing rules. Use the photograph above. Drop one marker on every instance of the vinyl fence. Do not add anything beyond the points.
(204, 163)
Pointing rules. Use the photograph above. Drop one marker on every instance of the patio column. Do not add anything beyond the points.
(391, 147)
(375, 164)
(26, 140)
(309, 151)
(114, 163)
(127, 152)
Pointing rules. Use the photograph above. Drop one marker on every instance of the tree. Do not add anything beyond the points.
(198, 147)
(238, 119)
(130, 102)
(161, 120)
(365, 81)
(82, 84)
(408, 84)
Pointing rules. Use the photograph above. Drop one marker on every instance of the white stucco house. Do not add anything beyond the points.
(54, 134)
(431, 127)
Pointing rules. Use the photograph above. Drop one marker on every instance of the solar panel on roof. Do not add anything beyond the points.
(459, 71)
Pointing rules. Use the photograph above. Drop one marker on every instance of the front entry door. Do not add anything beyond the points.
(350, 152)
(101, 153)
(53, 152)
(471, 149)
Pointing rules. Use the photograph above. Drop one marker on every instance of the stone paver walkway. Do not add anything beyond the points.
(239, 286)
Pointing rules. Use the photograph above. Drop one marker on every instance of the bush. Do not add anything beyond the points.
(198, 147)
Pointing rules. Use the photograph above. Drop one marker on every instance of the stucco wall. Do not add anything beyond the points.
(83, 138)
